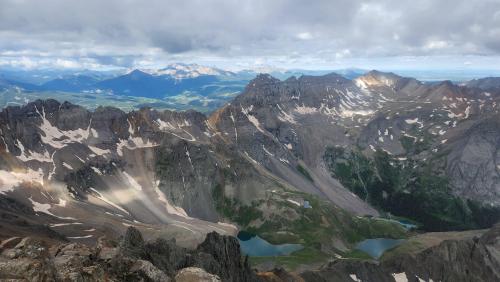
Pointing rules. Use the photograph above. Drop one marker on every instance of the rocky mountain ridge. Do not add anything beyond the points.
(86, 174)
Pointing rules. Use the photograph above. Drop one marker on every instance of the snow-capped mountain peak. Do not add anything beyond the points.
(183, 71)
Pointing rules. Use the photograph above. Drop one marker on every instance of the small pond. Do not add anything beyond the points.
(408, 225)
(376, 247)
(254, 246)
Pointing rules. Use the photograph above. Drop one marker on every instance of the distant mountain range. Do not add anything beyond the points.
(174, 87)
(177, 86)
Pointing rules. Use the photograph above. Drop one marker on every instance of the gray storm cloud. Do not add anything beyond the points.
(121, 29)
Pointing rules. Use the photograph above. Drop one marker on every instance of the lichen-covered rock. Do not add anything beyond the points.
(148, 271)
(195, 274)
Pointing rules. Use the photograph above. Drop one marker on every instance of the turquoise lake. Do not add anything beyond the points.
(376, 247)
(255, 246)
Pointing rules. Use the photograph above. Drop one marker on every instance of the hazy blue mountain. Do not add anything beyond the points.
(142, 84)
(73, 83)
(41, 76)
(8, 83)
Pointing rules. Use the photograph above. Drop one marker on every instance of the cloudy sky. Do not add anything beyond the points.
(323, 34)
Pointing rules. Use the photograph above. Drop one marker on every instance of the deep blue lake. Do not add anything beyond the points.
(255, 246)
(376, 247)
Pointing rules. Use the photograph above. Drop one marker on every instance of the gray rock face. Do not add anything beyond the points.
(473, 161)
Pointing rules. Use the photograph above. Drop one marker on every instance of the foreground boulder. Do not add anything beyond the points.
(29, 259)
(195, 274)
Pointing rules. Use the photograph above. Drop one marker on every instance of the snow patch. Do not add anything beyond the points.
(11, 179)
(304, 110)
(96, 170)
(171, 209)
(266, 151)
(133, 183)
(99, 151)
(104, 199)
(411, 121)
(62, 203)
(400, 277)
(80, 237)
(59, 139)
(39, 207)
(134, 143)
(67, 166)
(284, 116)
(65, 224)
(354, 277)
(94, 133)
(251, 118)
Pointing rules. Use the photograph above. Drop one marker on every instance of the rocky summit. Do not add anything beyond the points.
(218, 258)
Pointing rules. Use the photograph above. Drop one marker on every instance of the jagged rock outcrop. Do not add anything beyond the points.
(221, 255)
(218, 258)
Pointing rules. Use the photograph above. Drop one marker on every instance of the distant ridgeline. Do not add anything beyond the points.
(418, 190)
